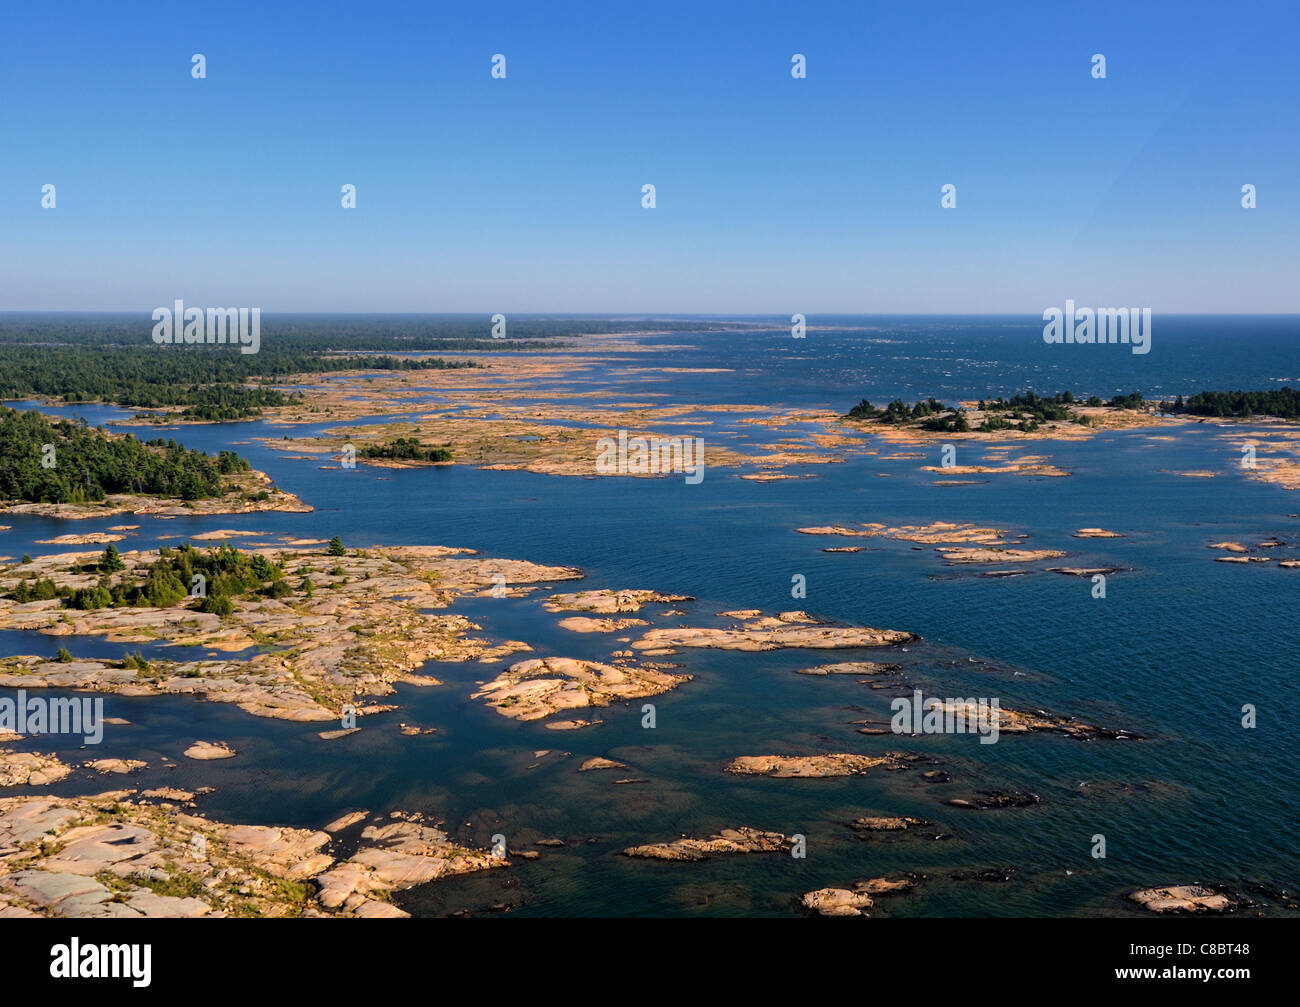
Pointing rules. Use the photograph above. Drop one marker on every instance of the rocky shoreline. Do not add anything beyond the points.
(121, 855)
(245, 493)
(350, 626)
(537, 688)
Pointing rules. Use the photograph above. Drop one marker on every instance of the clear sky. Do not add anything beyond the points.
(773, 194)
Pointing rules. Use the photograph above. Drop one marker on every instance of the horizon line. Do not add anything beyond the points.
(667, 315)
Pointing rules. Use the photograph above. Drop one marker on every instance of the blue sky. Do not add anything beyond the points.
(774, 194)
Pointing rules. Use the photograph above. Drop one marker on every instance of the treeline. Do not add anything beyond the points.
(213, 578)
(1281, 402)
(1026, 410)
(66, 462)
(897, 411)
(932, 414)
(407, 449)
(344, 333)
(1033, 406)
(214, 382)
(1023, 411)
(113, 359)
(225, 572)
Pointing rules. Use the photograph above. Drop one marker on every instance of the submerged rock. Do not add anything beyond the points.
(851, 668)
(929, 534)
(995, 799)
(885, 824)
(999, 875)
(954, 555)
(539, 687)
(854, 901)
(789, 629)
(817, 766)
(726, 842)
(170, 794)
(1182, 899)
(116, 765)
(341, 732)
(967, 711)
(600, 763)
(583, 624)
(205, 751)
(346, 821)
(608, 602)
(837, 902)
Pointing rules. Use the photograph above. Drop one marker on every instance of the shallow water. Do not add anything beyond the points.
(1176, 648)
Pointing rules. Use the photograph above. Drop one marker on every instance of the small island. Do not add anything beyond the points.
(57, 468)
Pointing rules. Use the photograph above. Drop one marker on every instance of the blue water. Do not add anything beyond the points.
(1173, 652)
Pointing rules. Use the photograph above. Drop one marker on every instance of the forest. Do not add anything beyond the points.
(224, 572)
(407, 449)
(350, 333)
(897, 411)
(211, 381)
(1028, 409)
(1281, 402)
(44, 461)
